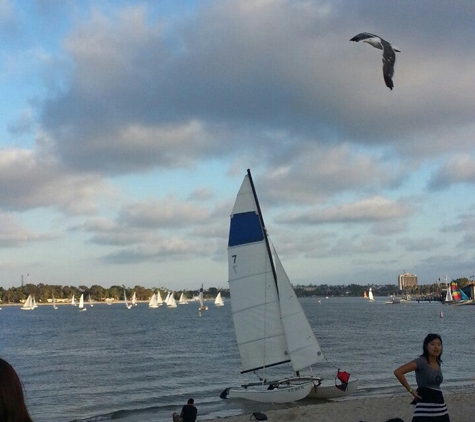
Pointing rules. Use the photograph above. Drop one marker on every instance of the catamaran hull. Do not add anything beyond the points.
(281, 394)
(328, 392)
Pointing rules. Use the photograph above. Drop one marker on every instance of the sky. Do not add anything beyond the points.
(126, 128)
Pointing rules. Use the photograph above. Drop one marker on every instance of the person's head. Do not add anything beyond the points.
(190, 401)
(12, 401)
(433, 346)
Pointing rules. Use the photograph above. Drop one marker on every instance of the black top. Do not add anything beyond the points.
(189, 413)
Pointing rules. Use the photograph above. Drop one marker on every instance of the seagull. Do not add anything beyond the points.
(389, 54)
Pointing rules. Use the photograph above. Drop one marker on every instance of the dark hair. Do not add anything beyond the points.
(190, 401)
(12, 401)
(425, 352)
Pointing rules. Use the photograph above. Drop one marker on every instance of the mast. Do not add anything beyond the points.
(261, 218)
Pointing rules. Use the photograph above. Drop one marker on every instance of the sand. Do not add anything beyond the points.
(461, 408)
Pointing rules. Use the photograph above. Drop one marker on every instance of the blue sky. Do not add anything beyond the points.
(126, 128)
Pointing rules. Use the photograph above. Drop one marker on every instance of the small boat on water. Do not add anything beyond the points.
(126, 303)
(202, 307)
(370, 295)
(153, 303)
(393, 301)
(219, 300)
(270, 324)
(28, 305)
(81, 306)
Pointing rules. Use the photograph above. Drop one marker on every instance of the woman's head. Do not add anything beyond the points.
(12, 401)
(433, 345)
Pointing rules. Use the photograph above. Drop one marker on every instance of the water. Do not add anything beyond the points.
(143, 364)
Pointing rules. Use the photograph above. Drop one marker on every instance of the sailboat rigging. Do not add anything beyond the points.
(271, 327)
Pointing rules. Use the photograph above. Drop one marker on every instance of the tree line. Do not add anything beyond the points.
(45, 292)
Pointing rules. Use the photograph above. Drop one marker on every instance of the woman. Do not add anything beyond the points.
(12, 402)
(430, 404)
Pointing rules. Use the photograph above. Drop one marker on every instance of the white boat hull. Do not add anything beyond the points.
(261, 393)
(330, 391)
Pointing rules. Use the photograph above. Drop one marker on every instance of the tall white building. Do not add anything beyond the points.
(406, 280)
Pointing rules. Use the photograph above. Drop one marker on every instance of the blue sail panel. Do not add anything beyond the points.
(245, 228)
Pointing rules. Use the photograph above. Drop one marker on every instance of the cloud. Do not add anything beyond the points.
(146, 93)
(366, 210)
(13, 234)
(33, 179)
(457, 169)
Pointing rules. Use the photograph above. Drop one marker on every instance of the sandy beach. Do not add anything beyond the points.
(461, 408)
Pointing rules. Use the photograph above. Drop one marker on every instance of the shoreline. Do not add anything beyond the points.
(461, 407)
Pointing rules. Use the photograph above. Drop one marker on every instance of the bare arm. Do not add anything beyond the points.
(400, 375)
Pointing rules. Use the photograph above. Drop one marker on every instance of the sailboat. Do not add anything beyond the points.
(134, 299)
(90, 302)
(73, 301)
(370, 295)
(153, 301)
(201, 299)
(126, 303)
(219, 300)
(159, 298)
(182, 300)
(271, 327)
(54, 303)
(28, 305)
(81, 303)
(171, 303)
(34, 303)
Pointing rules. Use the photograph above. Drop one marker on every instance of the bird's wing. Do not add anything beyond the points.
(363, 36)
(389, 59)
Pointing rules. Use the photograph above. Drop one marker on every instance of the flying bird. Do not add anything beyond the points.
(389, 54)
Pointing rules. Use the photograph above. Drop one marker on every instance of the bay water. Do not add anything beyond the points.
(143, 364)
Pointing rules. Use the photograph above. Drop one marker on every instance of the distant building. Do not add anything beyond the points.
(406, 280)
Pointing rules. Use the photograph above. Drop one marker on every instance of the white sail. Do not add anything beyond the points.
(182, 300)
(28, 305)
(159, 298)
(73, 301)
(219, 300)
(125, 300)
(90, 302)
(34, 303)
(254, 300)
(167, 298)
(302, 345)
(153, 301)
(370, 295)
(54, 303)
(171, 301)
(134, 299)
(81, 303)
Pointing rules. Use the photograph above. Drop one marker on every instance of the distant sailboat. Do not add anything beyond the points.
(81, 303)
(34, 303)
(182, 300)
(73, 301)
(219, 300)
(90, 302)
(153, 301)
(28, 305)
(201, 299)
(370, 295)
(54, 303)
(171, 301)
(134, 299)
(159, 298)
(125, 300)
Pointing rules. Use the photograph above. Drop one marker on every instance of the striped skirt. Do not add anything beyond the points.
(431, 408)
